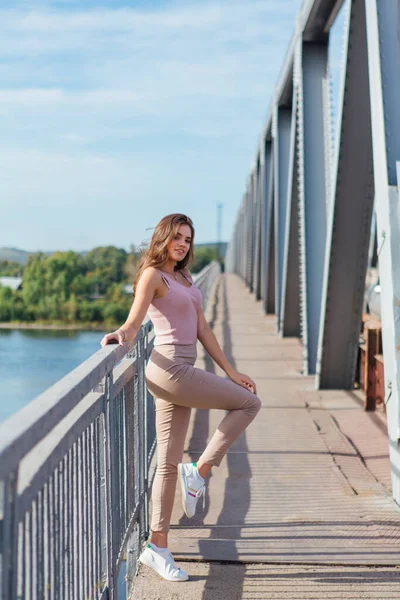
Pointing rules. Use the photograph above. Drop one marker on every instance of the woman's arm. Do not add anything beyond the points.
(145, 292)
(207, 337)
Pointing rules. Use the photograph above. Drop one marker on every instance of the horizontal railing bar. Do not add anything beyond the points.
(122, 374)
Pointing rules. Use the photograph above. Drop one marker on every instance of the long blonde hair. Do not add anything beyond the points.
(157, 252)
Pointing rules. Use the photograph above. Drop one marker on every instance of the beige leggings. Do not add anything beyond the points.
(178, 386)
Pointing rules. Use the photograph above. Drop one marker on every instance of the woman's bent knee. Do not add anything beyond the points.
(257, 404)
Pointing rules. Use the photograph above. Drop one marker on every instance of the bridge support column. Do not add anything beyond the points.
(313, 125)
(350, 214)
(258, 232)
(252, 207)
(382, 19)
(283, 126)
(269, 231)
(290, 305)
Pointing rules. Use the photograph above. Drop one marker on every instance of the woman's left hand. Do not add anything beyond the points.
(244, 381)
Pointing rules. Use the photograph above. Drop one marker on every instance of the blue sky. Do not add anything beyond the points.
(114, 114)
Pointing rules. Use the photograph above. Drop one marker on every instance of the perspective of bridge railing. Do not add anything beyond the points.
(74, 477)
(303, 238)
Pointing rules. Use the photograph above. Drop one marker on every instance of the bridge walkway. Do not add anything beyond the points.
(301, 507)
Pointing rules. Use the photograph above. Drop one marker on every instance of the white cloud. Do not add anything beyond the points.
(98, 103)
(191, 15)
(75, 138)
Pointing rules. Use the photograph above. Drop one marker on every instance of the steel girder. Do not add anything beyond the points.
(258, 233)
(290, 297)
(382, 20)
(282, 129)
(313, 106)
(349, 228)
(269, 229)
(263, 217)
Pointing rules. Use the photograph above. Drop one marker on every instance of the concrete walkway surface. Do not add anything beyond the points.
(301, 506)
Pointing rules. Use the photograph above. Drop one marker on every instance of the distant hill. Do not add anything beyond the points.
(14, 254)
(21, 256)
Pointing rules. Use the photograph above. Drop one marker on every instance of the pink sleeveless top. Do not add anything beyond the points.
(174, 316)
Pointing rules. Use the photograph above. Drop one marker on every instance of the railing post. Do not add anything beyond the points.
(145, 445)
(110, 491)
(9, 537)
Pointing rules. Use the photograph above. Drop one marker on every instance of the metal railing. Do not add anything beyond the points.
(74, 477)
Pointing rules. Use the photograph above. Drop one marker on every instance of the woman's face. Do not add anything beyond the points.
(179, 246)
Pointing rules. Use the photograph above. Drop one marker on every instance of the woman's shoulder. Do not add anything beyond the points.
(151, 275)
(151, 272)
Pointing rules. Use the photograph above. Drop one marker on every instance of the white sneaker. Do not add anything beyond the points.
(162, 562)
(192, 485)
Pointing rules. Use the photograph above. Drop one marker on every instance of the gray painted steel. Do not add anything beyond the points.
(281, 174)
(348, 245)
(265, 172)
(388, 13)
(258, 234)
(383, 60)
(290, 299)
(322, 274)
(261, 185)
(74, 476)
(314, 170)
(269, 298)
(251, 230)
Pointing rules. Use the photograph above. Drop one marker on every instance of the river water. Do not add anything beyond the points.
(31, 360)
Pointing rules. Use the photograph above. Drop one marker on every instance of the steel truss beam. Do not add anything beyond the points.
(258, 232)
(269, 228)
(349, 228)
(283, 124)
(290, 299)
(382, 19)
(313, 172)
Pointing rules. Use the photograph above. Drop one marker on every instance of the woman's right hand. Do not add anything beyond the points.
(116, 337)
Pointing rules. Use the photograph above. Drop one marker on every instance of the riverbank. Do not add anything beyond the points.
(71, 326)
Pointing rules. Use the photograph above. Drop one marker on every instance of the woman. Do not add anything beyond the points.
(165, 290)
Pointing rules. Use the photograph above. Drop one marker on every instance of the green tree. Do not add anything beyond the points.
(105, 265)
(71, 308)
(10, 268)
(132, 264)
(6, 301)
(91, 311)
(203, 256)
(61, 286)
